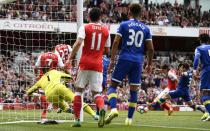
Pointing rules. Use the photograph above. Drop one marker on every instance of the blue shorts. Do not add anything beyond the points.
(127, 68)
(184, 94)
(104, 81)
(205, 80)
(205, 98)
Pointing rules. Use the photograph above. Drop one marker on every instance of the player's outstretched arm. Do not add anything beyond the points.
(32, 89)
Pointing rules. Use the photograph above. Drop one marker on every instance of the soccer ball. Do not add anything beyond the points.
(142, 109)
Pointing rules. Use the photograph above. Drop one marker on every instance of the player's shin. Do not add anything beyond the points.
(44, 105)
(207, 105)
(112, 97)
(100, 105)
(132, 107)
(132, 104)
(167, 106)
(77, 105)
(99, 101)
(88, 110)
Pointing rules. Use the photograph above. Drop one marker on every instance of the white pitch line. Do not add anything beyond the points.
(16, 122)
(62, 121)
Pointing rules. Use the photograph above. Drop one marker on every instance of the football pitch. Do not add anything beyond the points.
(151, 121)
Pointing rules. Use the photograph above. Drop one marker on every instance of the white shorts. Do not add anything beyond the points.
(93, 79)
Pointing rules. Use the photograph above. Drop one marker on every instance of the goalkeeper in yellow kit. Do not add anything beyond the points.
(54, 85)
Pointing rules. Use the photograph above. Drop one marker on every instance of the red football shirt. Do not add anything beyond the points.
(63, 50)
(96, 37)
(49, 61)
(172, 79)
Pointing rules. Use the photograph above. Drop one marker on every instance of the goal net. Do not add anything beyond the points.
(27, 29)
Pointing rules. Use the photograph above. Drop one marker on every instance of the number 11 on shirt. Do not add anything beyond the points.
(94, 40)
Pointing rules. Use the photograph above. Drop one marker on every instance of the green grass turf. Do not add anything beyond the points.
(151, 121)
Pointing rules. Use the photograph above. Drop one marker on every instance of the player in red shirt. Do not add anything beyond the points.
(96, 37)
(45, 62)
(64, 51)
(171, 85)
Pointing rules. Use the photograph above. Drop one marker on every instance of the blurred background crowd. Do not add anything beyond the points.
(113, 11)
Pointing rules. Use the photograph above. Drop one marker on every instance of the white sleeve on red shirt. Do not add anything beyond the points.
(108, 41)
(81, 32)
(69, 48)
(38, 62)
(60, 62)
(57, 53)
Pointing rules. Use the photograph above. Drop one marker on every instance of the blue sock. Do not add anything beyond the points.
(112, 97)
(106, 102)
(132, 103)
(208, 108)
(161, 100)
(97, 111)
(156, 105)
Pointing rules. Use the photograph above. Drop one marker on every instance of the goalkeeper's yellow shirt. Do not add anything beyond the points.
(49, 80)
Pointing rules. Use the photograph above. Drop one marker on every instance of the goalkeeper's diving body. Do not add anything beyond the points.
(54, 85)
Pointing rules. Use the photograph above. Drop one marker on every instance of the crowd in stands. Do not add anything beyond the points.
(13, 82)
(113, 11)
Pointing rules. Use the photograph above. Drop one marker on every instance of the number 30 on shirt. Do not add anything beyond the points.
(135, 37)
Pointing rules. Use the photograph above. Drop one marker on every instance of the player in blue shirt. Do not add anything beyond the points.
(183, 89)
(106, 62)
(133, 37)
(202, 53)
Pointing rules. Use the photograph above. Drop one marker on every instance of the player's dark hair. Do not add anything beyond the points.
(135, 10)
(95, 14)
(204, 38)
(184, 65)
(165, 67)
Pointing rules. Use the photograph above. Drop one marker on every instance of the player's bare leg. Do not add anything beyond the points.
(168, 107)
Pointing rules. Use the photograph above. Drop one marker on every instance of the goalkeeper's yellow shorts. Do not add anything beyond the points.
(59, 95)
